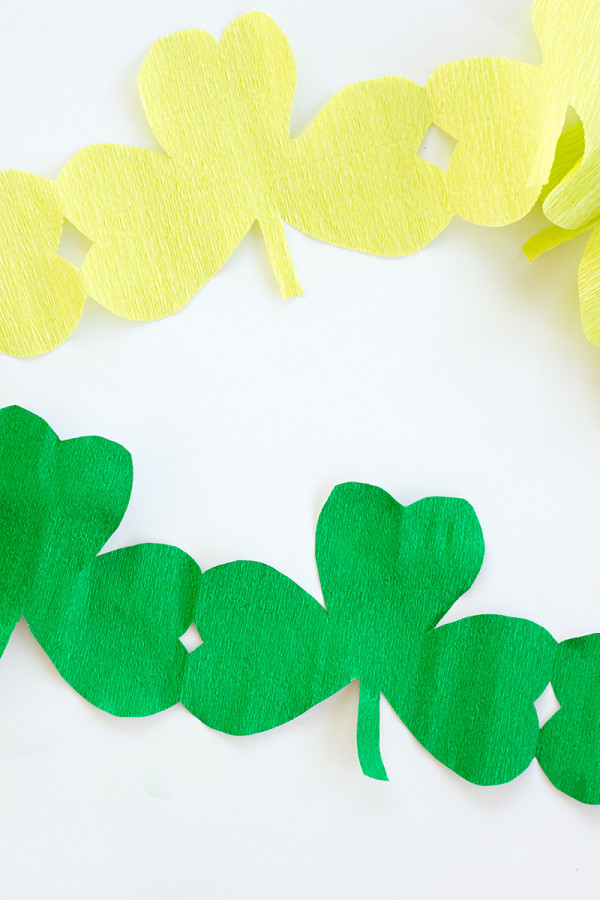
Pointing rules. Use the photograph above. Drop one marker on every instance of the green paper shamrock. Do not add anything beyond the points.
(109, 623)
(389, 573)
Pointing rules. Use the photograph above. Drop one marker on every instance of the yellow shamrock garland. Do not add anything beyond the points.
(162, 223)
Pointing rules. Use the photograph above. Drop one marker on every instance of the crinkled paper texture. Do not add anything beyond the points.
(112, 621)
(162, 223)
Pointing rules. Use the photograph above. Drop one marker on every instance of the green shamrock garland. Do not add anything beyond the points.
(111, 622)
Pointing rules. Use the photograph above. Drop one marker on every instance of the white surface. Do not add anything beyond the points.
(461, 370)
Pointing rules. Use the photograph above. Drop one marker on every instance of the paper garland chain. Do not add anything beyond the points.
(162, 223)
(111, 622)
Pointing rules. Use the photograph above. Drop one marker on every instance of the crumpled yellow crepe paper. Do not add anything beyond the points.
(163, 223)
(569, 32)
(41, 294)
(572, 201)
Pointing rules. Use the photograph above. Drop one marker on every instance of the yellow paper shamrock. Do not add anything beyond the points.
(164, 223)
(41, 295)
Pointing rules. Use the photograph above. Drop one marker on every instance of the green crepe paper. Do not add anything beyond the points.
(388, 573)
(110, 623)
(60, 502)
(569, 742)
(119, 623)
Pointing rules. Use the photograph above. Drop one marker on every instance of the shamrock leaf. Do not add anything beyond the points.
(110, 623)
(389, 573)
(59, 504)
(264, 654)
(114, 635)
(506, 119)
(32, 277)
(569, 741)
(163, 223)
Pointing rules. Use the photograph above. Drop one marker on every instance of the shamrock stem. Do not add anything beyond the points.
(280, 256)
(367, 732)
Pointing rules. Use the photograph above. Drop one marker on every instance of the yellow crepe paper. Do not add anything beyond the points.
(589, 269)
(164, 223)
(507, 116)
(501, 113)
(572, 201)
(569, 32)
(41, 295)
(569, 151)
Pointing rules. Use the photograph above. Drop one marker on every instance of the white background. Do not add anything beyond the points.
(461, 370)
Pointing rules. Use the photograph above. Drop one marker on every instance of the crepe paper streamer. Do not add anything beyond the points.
(41, 294)
(164, 223)
(389, 573)
(109, 623)
(569, 742)
(112, 622)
